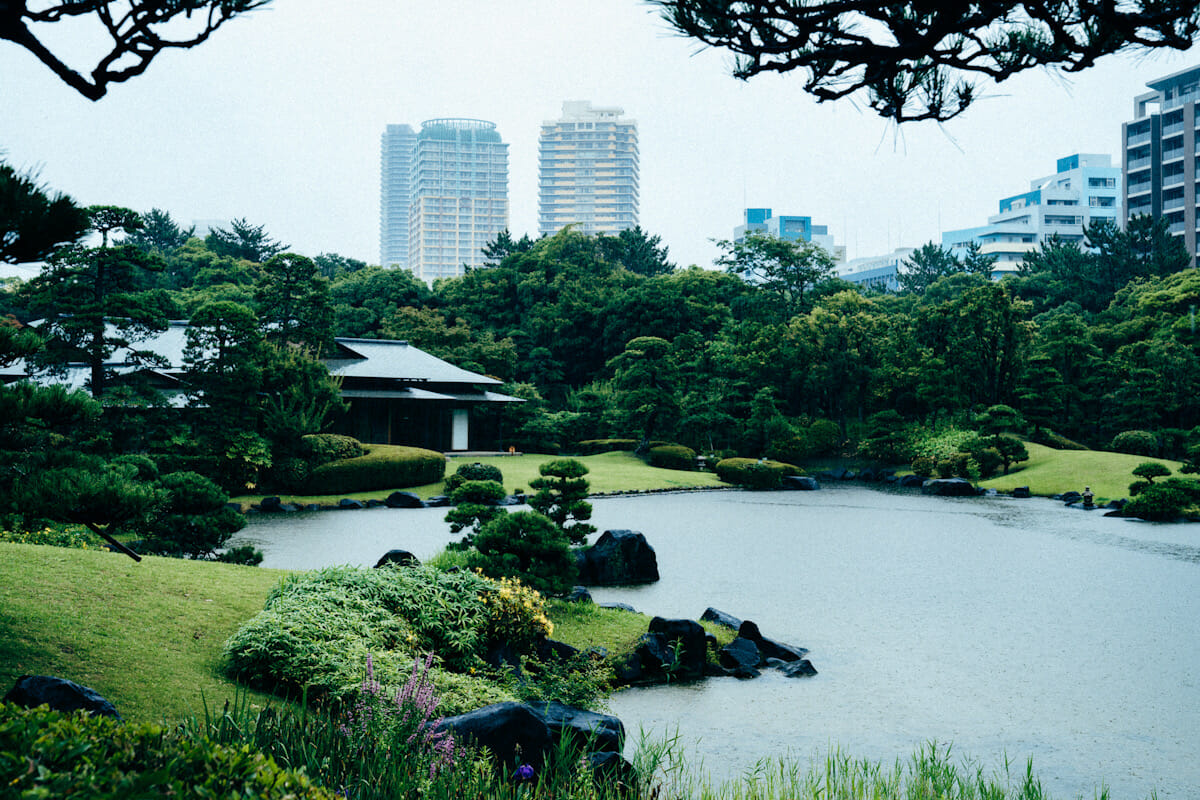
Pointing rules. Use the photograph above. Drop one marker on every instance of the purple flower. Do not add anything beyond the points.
(523, 773)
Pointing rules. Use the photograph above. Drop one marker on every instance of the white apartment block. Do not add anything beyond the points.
(588, 171)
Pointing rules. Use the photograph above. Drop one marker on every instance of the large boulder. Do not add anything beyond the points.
(588, 730)
(399, 558)
(688, 644)
(769, 648)
(506, 729)
(60, 694)
(803, 483)
(404, 500)
(912, 481)
(950, 487)
(1022, 492)
(721, 618)
(617, 557)
(740, 653)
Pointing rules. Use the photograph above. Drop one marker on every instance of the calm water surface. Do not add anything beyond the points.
(1011, 628)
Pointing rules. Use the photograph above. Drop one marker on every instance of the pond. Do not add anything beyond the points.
(1011, 628)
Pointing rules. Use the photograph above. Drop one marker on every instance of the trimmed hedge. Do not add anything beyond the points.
(754, 474)
(323, 448)
(591, 447)
(50, 754)
(672, 456)
(385, 466)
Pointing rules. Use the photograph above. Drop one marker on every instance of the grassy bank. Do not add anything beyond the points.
(1049, 472)
(147, 635)
(608, 472)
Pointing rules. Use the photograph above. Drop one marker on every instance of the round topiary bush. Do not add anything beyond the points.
(473, 472)
(1138, 443)
(755, 474)
(672, 456)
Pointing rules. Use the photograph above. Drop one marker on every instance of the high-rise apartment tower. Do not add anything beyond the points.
(1159, 154)
(397, 148)
(450, 186)
(588, 171)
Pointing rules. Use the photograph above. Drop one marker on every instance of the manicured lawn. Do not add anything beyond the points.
(1050, 472)
(608, 472)
(148, 636)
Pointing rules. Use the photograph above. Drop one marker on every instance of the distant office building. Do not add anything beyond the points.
(397, 149)
(452, 197)
(1159, 154)
(789, 227)
(877, 272)
(1086, 188)
(588, 171)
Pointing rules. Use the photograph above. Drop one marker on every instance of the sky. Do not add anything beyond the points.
(277, 120)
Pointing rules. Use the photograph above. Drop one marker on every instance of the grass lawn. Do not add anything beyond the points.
(148, 636)
(1050, 472)
(608, 472)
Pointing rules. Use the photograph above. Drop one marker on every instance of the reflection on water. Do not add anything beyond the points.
(1013, 628)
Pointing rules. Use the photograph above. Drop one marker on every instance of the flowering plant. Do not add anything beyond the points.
(405, 724)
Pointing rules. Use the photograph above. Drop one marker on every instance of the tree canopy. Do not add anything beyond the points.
(33, 221)
(920, 60)
(138, 30)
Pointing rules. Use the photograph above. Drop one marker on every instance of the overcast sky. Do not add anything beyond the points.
(277, 119)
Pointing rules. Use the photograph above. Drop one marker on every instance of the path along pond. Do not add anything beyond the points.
(1009, 628)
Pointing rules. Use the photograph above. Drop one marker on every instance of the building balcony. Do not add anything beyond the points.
(1173, 204)
(1138, 163)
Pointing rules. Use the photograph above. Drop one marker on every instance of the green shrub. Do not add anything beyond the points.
(321, 448)
(383, 467)
(824, 437)
(983, 451)
(755, 474)
(672, 456)
(527, 546)
(591, 447)
(473, 472)
(1051, 439)
(924, 466)
(194, 520)
(75, 536)
(142, 467)
(956, 465)
(50, 754)
(937, 444)
(475, 504)
(1138, 443)
(289, 472)
(317, 629)
(1166, 501)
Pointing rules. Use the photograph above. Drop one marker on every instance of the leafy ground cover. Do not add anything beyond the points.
(1049, 472)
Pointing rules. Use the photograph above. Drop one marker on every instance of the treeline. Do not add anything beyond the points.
(607, 339)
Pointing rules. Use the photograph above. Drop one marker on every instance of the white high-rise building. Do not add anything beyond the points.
(588, 171)
(448, 183)
(397, 149)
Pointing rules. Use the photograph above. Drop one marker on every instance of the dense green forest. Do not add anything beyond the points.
(605, 338)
